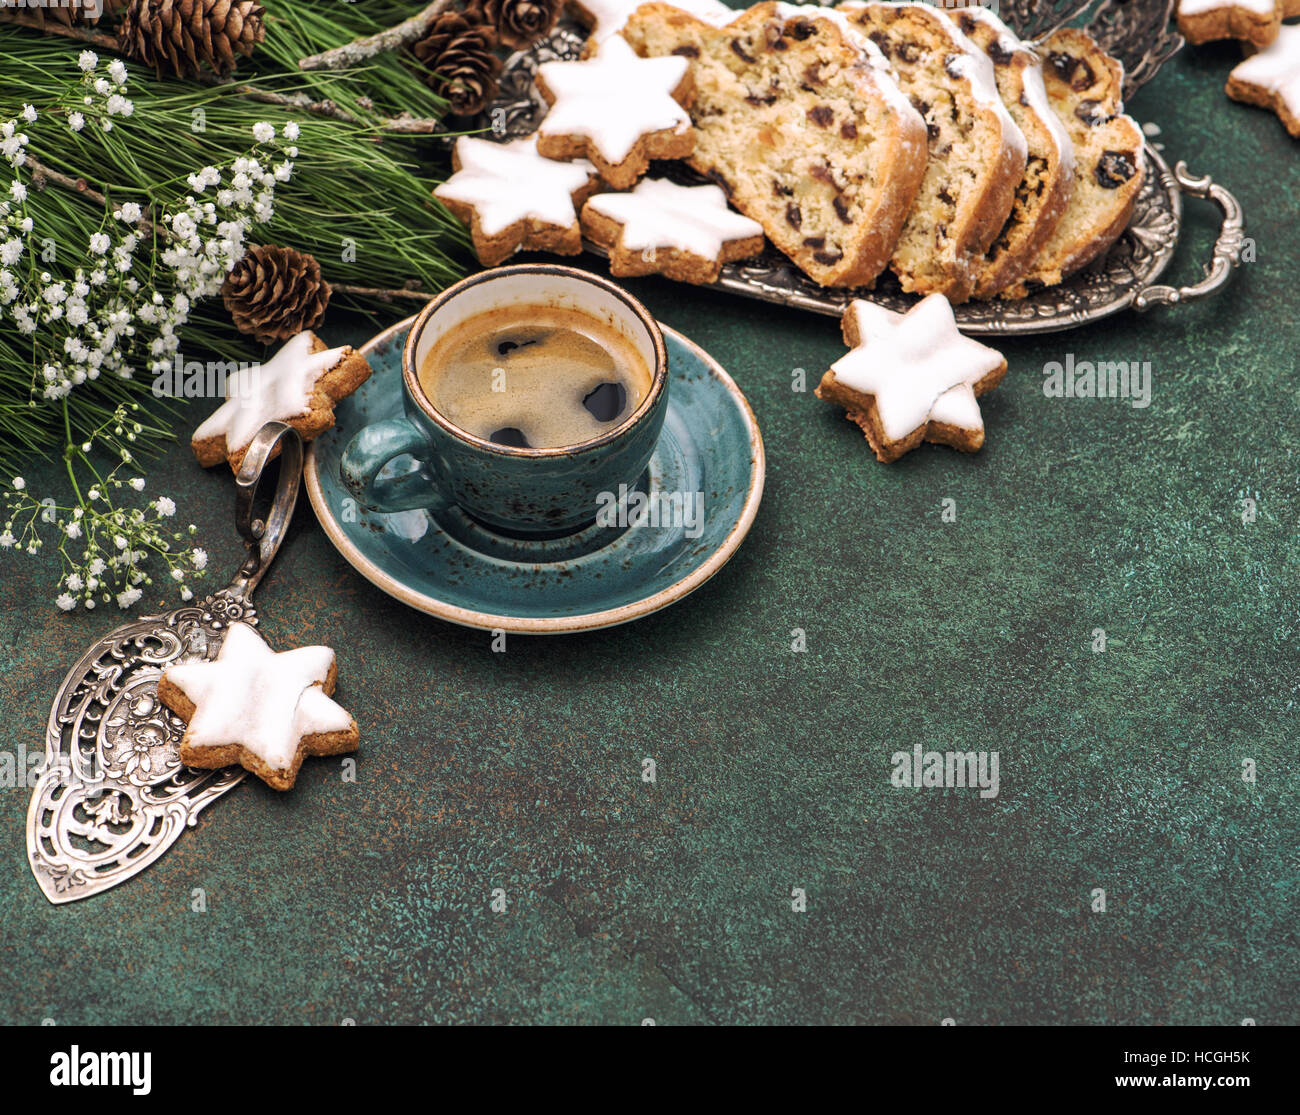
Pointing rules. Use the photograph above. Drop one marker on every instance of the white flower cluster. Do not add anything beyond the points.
(116, 312)
(107, 550)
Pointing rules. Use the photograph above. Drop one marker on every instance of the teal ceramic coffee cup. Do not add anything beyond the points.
(527, 491)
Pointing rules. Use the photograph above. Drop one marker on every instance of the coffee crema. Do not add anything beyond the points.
(535, 377)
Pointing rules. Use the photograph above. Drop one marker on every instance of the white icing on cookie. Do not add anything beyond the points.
(916, 365)
(662, 214)
(510, 182)
(614, 99)
(263, 701)
(1276, 68)
(1200, 7)
(610, 16)
(275, 391)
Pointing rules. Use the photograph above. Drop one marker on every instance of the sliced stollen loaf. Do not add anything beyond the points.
(1049, 171)
(798, 120)
(977, 154)
(1085, 87)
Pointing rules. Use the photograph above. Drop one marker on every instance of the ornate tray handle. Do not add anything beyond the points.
(1227, 248)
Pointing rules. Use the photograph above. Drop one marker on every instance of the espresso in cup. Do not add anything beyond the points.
(535, 376)
(529, 393)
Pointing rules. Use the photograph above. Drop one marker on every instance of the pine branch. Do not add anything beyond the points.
(341, 57)
(402, 124)
(381, 295)
(81, 34)
(42, 174)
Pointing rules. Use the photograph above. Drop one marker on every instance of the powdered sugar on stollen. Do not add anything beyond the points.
(1035, 91)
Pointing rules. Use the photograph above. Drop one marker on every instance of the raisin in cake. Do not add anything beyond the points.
(1085, 86)
(797, 119)
(1049, 171)
(977, 154)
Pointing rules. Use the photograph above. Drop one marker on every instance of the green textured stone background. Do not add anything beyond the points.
(522, 770)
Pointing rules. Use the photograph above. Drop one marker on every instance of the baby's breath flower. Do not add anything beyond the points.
(87, 61)
(65, 601)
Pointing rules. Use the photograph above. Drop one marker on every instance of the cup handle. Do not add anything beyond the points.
(371, 449)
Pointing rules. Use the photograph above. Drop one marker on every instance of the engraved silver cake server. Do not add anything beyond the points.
(113, 795)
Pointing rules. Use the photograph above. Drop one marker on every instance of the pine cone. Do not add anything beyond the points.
(273, 293)
(518, 23)
(179, 36)
(458, 53)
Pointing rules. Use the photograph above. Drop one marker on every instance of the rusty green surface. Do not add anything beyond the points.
(1120, 770)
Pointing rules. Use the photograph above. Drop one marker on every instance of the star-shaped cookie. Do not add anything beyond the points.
(618, 110)
(299, 386)
(1271, 78)
(684, 232)
(912, 377)
(512, 198)
(257, 708)
(1253, 21)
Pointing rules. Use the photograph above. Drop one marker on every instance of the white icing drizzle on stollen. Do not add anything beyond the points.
(662, 214)
(917, 365)
(263, 701)
(1276, 67)
(510, 182)
(611, 16)
(614, 99)
(1035, 90)
(856, 37)
(971, 64)
(276, 391)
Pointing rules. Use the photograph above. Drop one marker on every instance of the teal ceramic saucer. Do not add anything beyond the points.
(450, 566)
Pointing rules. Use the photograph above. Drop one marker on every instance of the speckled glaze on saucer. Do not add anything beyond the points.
(451, 566)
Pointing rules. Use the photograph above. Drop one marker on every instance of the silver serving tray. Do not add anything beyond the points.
(1137, 32)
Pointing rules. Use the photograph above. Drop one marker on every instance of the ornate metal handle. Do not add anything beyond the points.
(265, 535)
(1227, 248)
